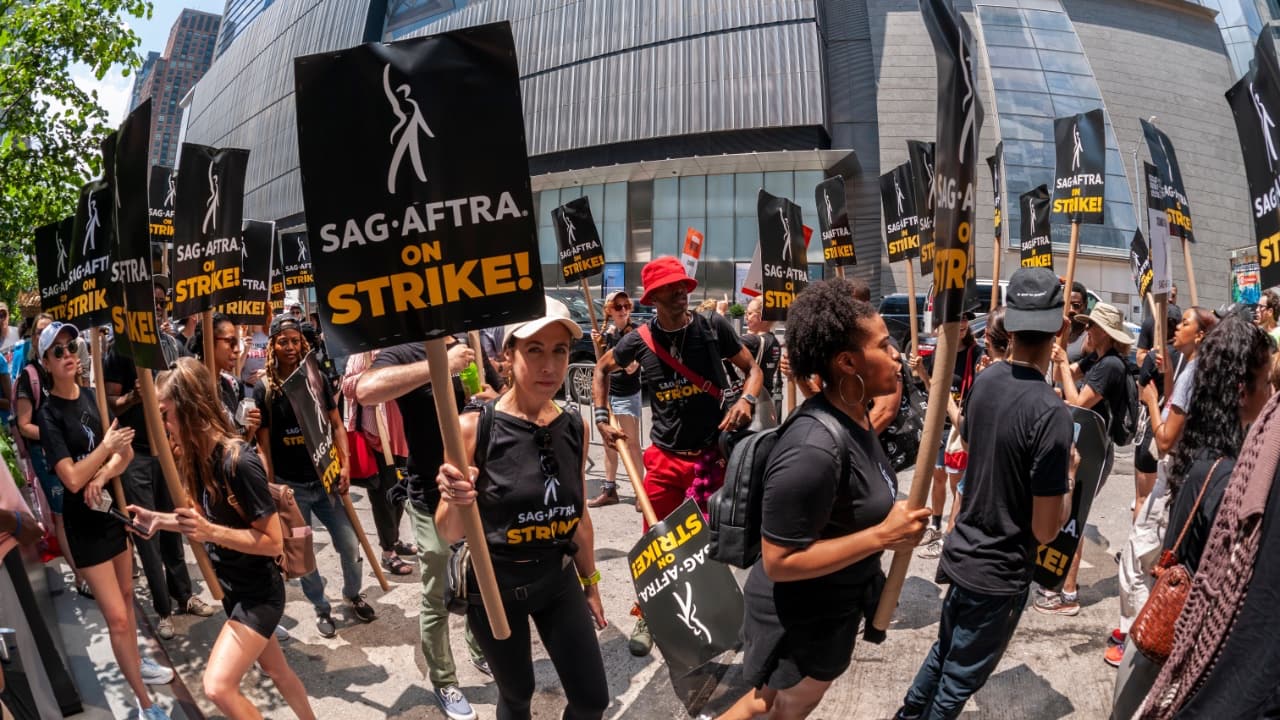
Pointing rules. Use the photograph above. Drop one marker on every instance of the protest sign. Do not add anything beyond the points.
(996, 164)
(1054, 559)
(1246, 277)
(163, 195)
(753, 285)
(134, 321)
(207, 227)
(276, 295)
(581, 254)
(53, 242)
(1255, 102)
(1080, 171)
(901, 225)
(86, 292)
(1173, 191)
(305, 389)
(692, 603)
(833, 223)
(295, 259)
(1037, 245)
(1158, 233)
(783, 267)
(691, 252)
(1140, 264)
(257, 264)
(919, 172)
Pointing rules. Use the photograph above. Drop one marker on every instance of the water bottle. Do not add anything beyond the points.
(470, 376)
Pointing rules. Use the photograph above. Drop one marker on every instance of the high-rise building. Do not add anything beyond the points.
(236, 16)
(167, 78)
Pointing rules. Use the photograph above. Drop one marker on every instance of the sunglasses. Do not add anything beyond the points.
(60, 350)
(617, 306)
(546, 458)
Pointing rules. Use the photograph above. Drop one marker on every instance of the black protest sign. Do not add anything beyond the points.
(996, 164)
(207, 228)
(256, 266)
(1255, 102)
(305, 390)
(783, 266)
(162, 194)
(134, 320)
(692, 603)
(276, 295)
(53, 242)
(1174, 192)
(85, 295)
(415, 181)
(897, 205)
(295, 259)
(1036, 243)
(1158, 230)
(833, 221)
(1140, 264)
(1080, 143)
(919, 169)
(581, 254)
(955, 178)
(1054, 560)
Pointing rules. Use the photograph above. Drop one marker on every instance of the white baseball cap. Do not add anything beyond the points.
(51, 332)
(557, 312)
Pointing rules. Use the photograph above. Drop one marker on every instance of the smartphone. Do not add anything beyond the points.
(115, 513)
(1075, 436)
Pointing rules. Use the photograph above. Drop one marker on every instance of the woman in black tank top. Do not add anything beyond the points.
(527, 476)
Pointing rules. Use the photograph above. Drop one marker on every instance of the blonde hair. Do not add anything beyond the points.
(202, 424)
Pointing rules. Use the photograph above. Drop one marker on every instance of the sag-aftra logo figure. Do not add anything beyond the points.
(408, 125)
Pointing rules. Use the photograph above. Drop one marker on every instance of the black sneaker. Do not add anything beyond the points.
(482, 665)
(325, 626)
(361, 609)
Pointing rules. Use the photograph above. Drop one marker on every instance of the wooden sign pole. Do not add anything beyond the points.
(1191, 272)
(210, 345)
(455, 453)
(96, 349)
(364, 542)
(160, 446)
(912, 310)
(840, 271)
(944, 360)
(995, 276)
(1071, 274)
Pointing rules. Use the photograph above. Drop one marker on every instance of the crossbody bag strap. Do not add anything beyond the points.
(1194, 508)
(706, 386)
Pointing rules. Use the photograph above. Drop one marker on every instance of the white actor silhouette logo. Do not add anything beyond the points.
(1267, 125)
(897, 191)
(408, 125)
(62, 256)
(967, 103)
(689, 613)
(168, 198)
(303, 257)
(786, 237)
(314, 384)
(1031, 208)
(568, 228)
(90, 241)
(210, 224)
(1077, 149)
(827, 199)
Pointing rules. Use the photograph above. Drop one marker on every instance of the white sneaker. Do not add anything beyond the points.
(931, 535)
(153, 674)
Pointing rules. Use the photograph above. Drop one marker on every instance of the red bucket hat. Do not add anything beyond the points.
(660, 273)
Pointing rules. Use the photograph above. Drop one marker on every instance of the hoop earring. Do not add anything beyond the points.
(862, 395)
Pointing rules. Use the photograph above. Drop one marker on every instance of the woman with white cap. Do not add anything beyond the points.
(527, 475)
(624, 397)
(85, 459)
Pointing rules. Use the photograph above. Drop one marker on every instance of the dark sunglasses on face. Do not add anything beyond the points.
(617, 306)
(59, 350)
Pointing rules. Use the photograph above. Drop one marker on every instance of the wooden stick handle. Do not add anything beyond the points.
(912, 310)
(384, 435)
(160, 446)
(1191, 272)
(840, 271)
(995, 276)
(97, 347)
(206, 327)
(1071, 275)
(364, 542)
(944, 361)
(455, 453)
(240, 357)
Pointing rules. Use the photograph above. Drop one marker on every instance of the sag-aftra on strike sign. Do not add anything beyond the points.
(415, 181)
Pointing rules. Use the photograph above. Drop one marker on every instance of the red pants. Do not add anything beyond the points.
(667, 478)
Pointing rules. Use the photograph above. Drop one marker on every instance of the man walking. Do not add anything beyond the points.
(681, 356)
(1018, 495)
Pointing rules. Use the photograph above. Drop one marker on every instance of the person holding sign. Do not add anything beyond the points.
(624, 396)
(828, 510)
(284, 450)
(84, 462)
(235, 517)
(1018, 494)
(529, 480)
(681, 355)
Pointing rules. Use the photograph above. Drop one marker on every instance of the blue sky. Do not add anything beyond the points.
(113, 89)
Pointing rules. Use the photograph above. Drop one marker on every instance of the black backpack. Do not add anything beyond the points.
(1124, 426)
(734, 511)
(901, 440)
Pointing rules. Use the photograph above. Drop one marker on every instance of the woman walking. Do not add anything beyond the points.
(528, 460)
(235, 517)
(624, 399)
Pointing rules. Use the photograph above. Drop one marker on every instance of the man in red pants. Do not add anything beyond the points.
(682, 357)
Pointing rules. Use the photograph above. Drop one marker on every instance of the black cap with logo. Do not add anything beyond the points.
(1034, 301)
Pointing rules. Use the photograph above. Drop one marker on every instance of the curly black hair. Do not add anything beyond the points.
(1230, 358)
(823, 321)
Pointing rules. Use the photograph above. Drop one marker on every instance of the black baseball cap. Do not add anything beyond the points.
(1034, 301)
(282, 323)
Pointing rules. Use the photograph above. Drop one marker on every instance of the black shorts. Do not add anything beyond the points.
(89, 547)
(259, 612)
(1144, 460)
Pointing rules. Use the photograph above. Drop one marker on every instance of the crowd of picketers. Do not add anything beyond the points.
(1198, 408)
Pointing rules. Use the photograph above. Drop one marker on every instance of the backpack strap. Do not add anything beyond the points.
(705, 385)
(33, 374)
(837, 431)
(484, 431)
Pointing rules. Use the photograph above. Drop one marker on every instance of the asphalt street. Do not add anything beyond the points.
(1052, 669)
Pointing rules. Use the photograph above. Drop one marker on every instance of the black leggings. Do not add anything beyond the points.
(558, 608)
(386, 514)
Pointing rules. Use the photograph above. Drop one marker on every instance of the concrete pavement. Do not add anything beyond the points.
(1053, 668)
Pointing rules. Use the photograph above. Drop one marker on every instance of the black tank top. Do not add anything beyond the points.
(530, 485)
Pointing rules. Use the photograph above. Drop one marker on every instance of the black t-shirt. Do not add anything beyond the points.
(1019, 436)
(962, 375)
(71, 429)
(531, 500)
(421, 427)
(118, 368)
(1107, 377)
(768, 360)
(806, 500)
(239, 572)
(684, 417)
(290, 459)
(621, 383)
(1146, 336)
(1198, 534)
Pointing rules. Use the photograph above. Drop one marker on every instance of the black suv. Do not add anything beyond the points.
(582, 356)
(897, 316)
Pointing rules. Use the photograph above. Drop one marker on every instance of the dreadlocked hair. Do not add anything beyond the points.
(273, 379)
(1229, 359)
(824, 321)
(202, 425)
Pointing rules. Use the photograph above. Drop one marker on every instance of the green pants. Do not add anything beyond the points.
(433, 618)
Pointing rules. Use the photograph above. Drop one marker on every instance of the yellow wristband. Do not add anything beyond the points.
(591, 579)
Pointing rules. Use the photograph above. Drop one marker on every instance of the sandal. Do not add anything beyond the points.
(82, 589)
(396, 566)
(405, 549)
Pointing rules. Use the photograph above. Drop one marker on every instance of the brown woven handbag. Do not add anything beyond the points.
(1152, 630)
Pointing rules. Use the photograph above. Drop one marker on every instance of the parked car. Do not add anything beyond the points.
(982, 302)
(582, 356)
(897, 316)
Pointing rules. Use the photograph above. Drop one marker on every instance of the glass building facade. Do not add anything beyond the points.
(1240, 24)
(236, 16)
(1039, 72)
